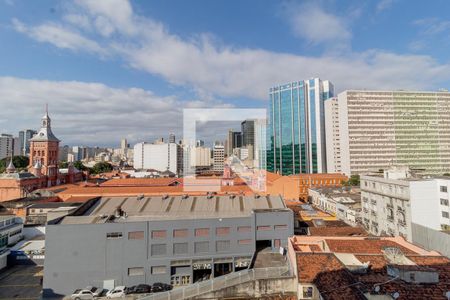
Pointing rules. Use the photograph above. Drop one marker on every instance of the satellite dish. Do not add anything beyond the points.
(395, 295)
(377, 289)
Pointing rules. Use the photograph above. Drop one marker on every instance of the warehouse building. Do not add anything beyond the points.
(111, 241)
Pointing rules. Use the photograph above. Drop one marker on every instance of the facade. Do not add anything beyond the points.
(296, 129)
(234, 140)
(171, 138)
(295, 187)
(6, 145)
(332, 136)
(177, 240)
(44, 148)
(395, 202)
(160, 157)
(200, 157)
(218, 158)
(379, 129)
(342, 202)
(11, 228)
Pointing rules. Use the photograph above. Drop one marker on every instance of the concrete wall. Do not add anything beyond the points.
(431, 239)
(79, 255)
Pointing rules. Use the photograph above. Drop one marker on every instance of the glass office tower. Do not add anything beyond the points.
(296, 129)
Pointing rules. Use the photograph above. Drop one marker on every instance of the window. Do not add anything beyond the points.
(444, 202)
(443, 189)
(280, 227)
(136, 235)
(307, 292)
(114, 235)
(222, 246)
(202, 232)
(135, 271)
(158, 249)
(159, 234)
(263, 228)
(244, 229)
(201, 247)
(445, 214)
(412, 276)
(159, 270)
(277, 243)
(245, 242)
(180, 248)
(180, 233)
(222, 230)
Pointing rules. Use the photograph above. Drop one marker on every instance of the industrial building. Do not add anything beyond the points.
(111, 241)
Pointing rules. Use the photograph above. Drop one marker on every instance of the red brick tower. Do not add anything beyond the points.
(44, 147)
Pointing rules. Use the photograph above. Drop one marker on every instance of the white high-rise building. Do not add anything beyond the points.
(161, 156)
(200, 157)
(332, 136)
(379, 129)
(218, 158)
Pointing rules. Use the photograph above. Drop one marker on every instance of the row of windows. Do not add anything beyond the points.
(199, 247)
(198, 232)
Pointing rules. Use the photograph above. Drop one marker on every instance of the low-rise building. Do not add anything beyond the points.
(171, 239)
(330, 267)
(342, 202)
(397, 202)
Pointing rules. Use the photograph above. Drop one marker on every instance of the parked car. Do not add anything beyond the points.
(161, 287)
(117, 292)
(94, 290)
(81, 294)
(141, 289)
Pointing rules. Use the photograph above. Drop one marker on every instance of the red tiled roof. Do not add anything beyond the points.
(365, 246)
(337, 231)
(141, 182)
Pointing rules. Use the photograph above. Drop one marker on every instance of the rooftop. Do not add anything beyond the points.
(141, 208)
(351, 267)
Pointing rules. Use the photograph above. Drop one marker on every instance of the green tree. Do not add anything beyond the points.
(352, 181)
(63, 164)
(102, 167)
(20, 162)
(79, 165)
(447, 174)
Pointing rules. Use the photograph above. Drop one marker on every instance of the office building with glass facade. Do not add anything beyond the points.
(296, 129)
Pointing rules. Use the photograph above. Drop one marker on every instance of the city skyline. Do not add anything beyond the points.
(71, 56)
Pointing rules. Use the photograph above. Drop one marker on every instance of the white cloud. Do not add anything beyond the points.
(90, 113)
(59, 36)
(384, 5)
(199, 62)
(433, 26)
(317, 26)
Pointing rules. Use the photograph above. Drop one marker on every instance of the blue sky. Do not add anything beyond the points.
(111, 69)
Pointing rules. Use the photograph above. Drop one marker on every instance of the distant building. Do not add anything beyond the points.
(24, 140)
(11, 231)
(379, 129)
(171, 138)
(179, 240)
(6, 145)
(296, 128)
(399, 203)
(248, 133)
(124, 144)
(333, 138)
(200, 143)
(234, 140)
(218, 158)
(342, 202)
(159, 156)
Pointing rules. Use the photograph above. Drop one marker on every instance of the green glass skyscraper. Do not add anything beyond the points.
(296, 128)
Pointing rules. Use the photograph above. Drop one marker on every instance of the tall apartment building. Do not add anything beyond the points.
(218, 158)
(200, 157)
(378, 129)
(400, 203)
(234, 140)
(6, 145)
(248, 132)
(332, 136)
(296, 128)
(171, 138)
(160, 157)
(24, 140)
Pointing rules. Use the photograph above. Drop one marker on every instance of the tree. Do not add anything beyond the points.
(79, 165)
(352, 181)
(447, 174)
(63, 164)
(102, 167)
(20, 162)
